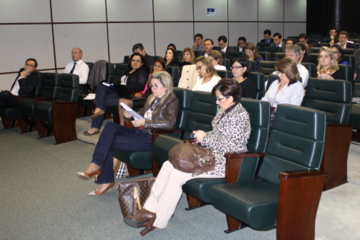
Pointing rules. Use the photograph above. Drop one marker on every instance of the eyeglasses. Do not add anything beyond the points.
(29, 65)
(236, 67)
(199, 67)
(155, 86)
(219, 99)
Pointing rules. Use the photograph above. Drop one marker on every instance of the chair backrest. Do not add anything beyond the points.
(126, 59)
(232, 55)
(174, 72)
(296, 142)
(68, 88)
(315, 49)
(331, 96)
(252, 65)
(259, 112)
(311, 68)
(225, 74)
(350, 59)
(350, 51)
(203, 108)
(356, 92)
(90, 65)
(279, 56)
(259, 79)
(184, 96)
(346, 71)
(265, 55)
(266, 67)
(120, 69)
(261, 45)
(198, 52)
(227, 63)
(314, 58)
(47, 84)
(271, 79)
(272, 51)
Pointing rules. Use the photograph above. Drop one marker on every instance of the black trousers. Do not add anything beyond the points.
(7, 99)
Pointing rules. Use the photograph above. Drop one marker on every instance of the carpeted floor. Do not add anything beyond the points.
(42, 198)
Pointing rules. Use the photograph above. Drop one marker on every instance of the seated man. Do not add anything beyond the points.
(344, 40)
(222, 41)
(267, 37)
(198, 42)
(25, 84)
(331, 38)
(241, 44)
(208, 46)
(303, 38)
(289, 42)
(139, 48)
(78, 66)
(278, 42)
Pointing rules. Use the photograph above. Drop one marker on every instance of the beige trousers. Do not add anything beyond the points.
(166, 192)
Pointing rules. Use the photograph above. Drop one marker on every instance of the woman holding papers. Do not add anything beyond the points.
(135, 80)
(160, 111)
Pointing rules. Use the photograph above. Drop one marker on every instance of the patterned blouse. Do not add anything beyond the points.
(230, 134)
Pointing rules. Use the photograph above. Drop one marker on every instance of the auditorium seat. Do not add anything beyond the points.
(266, 67)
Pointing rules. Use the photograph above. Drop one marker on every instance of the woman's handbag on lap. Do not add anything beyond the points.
(191, 158)
(133, 195)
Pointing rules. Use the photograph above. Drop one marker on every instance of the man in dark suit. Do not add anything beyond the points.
(267, 37)
(139, 48)
(208, 46)
(25, 84)
(224, 47)
(241, 44)
(278, 42)
(343, 40)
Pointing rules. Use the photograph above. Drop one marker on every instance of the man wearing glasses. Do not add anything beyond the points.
(25, 84)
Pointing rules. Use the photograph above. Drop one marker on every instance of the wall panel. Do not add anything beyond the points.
(271, 10)
(212, 30)
(78, 11)
(173, 10)
(20, 11)
(243, 10)
(295, 10)
(294, 29)
(246, 30)
(6, 80)
(201, 6)
(129, 11)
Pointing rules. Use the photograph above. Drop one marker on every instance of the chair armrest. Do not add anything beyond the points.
(234, 162)
(156, 132)
(300, 174)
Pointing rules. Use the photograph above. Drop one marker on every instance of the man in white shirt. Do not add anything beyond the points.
(208, 46)
(78, 66)
(294, 53)
(344, 40)
(222, 41)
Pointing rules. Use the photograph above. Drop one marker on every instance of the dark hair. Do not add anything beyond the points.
(289, 68)
(142, 60)
(161, 61)
(138, 46)
(303, 48)
(268, 32)
(171, 45)
(302, 35)
(223, 38)
(344, 33)
(217, 56)
(228, 87)
(32, 59)
(341, 52)
(209, 67)
(277, 35)
(209, 39)
(242, 38)
(290, 39)
(243, 62)
(174, 61)
(198, 35)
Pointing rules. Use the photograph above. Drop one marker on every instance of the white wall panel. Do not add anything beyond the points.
(242, 10)
(7, 80)
(181, 35)
(173, 10)
(123, 36)
(294, 29)
(295, 10)
(16, 48)
(271, 10)
(129, 11)
(200, 9)
(212, 30)
(15, 11)
(91, 38)
(273, 27)
(78, 11)
(246, 30)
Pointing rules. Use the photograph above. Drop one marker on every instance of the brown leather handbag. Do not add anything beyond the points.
(191, 158)
(133, 195)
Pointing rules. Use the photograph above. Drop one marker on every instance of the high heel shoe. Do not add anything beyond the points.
(87, 176)
(95, 193)
(143, 218)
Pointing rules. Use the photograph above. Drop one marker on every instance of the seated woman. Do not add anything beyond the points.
(208, 76)
(216, 60)
(171, 57)
(135, 80)
(160, 111)
(339, 54)
(231, 131)
(328, 67)
(287, 89)
(159, 65)
(304, 52)
(240, 70)
(189, 75)
(252, 54)
(188, 56)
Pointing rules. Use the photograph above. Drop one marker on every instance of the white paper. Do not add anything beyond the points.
(131, 111)
(356, 99)
(90, 96)
(107, 84)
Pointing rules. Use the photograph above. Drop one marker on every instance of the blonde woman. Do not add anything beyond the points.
(216, 60)
(188, 55)
(208, 76)
(328, 67)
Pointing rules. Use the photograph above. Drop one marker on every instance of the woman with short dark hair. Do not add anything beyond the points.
(339, 54)
(240, 70)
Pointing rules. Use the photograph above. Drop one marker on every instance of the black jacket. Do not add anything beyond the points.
(27, 85)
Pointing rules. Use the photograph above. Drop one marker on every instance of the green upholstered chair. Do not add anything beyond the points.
(311, 68)
(266, 67)
(227, 63)
(315, 49)
(235, 54)
(286, 188)
(252, 65)
(334, 98)
(58, 117)
(355, 114)
(314, 58)
(48, 82)
(272, 51)
(139, 161)
(126, 59)
(259, 79)
(350, 51)
(174, 72)
(225, 74)
(346, 71)
(265, 55)
(279, 55)
(197, 190)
